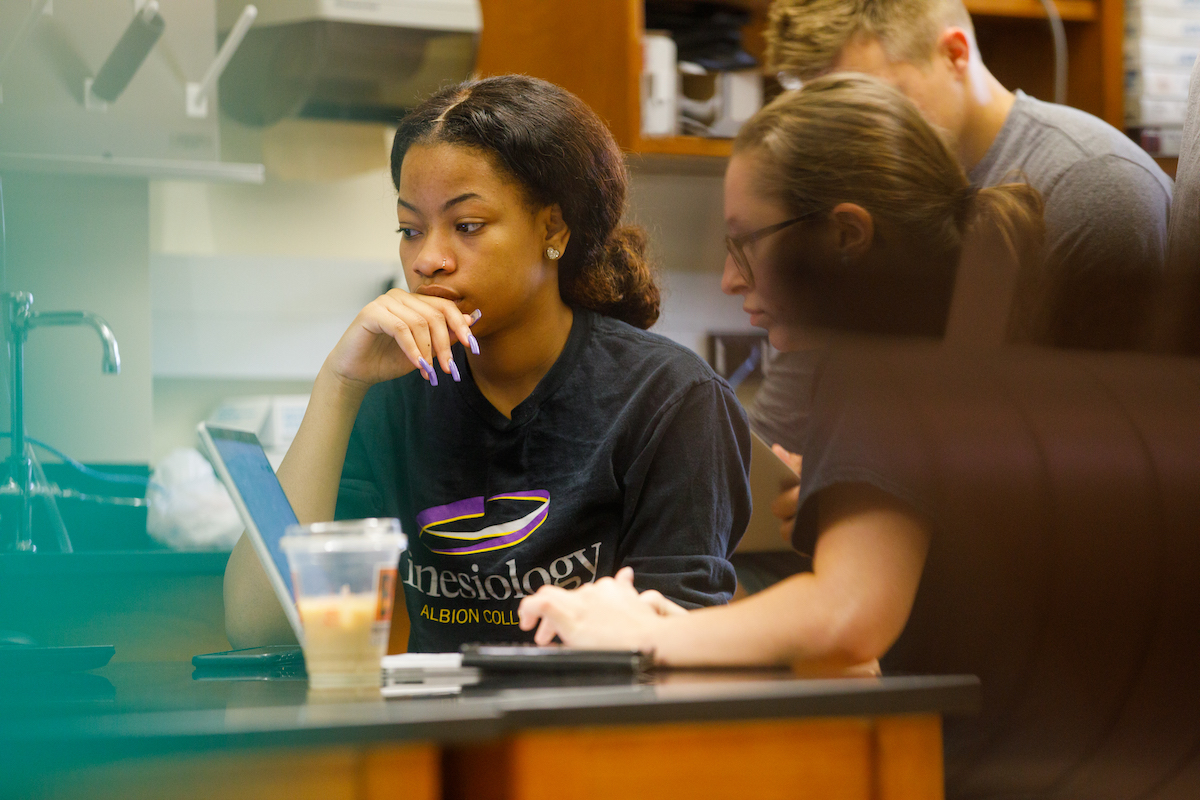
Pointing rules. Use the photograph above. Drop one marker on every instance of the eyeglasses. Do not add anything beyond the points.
(736, 244)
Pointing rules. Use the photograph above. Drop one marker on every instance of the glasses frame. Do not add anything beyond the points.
(734, 244)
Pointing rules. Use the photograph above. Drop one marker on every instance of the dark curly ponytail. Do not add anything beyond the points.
(559, 152)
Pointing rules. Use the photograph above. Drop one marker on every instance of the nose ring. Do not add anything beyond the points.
(443, 263)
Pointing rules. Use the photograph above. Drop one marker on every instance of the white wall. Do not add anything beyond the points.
(255, 317)
(80, 244)
(353, 218)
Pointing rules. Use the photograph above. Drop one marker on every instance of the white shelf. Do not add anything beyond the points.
(128, 167)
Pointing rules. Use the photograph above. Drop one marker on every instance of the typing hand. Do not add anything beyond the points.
(606, 614)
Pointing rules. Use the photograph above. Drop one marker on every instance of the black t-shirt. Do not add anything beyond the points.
(629, 452)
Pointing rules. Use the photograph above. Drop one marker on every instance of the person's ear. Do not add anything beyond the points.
(557, 232)
(853, 230)
(954, 46)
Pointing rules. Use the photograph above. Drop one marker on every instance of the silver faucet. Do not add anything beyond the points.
(112, 356)
(26, 480)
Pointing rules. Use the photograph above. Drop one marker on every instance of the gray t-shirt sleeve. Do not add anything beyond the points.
(779, 413)
(1185, 217)
(1181, 324)
(1104, 257)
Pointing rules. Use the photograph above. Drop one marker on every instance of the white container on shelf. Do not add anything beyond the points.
(660, 85)
(733, 97)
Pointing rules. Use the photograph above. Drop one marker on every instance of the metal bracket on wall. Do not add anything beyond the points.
(197, 93)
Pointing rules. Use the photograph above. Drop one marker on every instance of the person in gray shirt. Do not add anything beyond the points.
(1107, 202)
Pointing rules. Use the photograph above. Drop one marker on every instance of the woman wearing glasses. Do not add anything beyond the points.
(845, 212)
(510, 407)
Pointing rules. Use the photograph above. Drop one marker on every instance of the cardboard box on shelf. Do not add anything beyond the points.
(1144, 51)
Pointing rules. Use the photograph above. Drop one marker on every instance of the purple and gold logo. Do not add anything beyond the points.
(493, 537)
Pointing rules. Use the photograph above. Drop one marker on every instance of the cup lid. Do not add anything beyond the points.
(355, 535)
(344, 526)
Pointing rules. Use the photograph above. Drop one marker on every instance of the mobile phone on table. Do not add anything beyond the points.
(266, 657)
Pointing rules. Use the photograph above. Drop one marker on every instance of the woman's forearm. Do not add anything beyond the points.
(847, 611)
(312, 469)
(789, 623)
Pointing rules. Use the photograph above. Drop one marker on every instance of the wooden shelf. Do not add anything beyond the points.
(684, 146)
(1069, 10)
(594, 49)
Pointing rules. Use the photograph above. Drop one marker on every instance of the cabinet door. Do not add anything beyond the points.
(591, 48)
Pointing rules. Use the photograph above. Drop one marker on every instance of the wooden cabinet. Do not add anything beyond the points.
(594, 49)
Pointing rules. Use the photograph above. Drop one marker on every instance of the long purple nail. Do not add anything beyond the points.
(428, 370)
(473, 342)
(454, 371)
(475, 315)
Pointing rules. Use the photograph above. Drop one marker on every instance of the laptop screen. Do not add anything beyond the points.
(261, 493)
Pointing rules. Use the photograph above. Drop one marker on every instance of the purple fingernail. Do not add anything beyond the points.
(473, 342)
(475, 315)
(430, 375)
(454, 371)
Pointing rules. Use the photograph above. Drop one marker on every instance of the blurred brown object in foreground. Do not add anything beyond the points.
(1064, 569)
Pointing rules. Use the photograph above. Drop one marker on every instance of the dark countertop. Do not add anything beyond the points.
(136, 709)
(152, 605)
(113, 562)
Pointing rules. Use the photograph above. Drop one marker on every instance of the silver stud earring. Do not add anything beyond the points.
(553, 254)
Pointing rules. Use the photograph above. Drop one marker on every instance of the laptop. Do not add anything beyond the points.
(242, 465)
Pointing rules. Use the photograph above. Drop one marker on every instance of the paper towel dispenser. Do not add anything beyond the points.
(367, 60)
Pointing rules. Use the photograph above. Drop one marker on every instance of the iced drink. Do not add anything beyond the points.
(342, 636)
(344, 579)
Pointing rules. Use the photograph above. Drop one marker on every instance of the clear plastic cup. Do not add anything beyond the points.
(344, 578)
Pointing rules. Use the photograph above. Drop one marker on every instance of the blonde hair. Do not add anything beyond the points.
(805, 36)
(851, 138)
